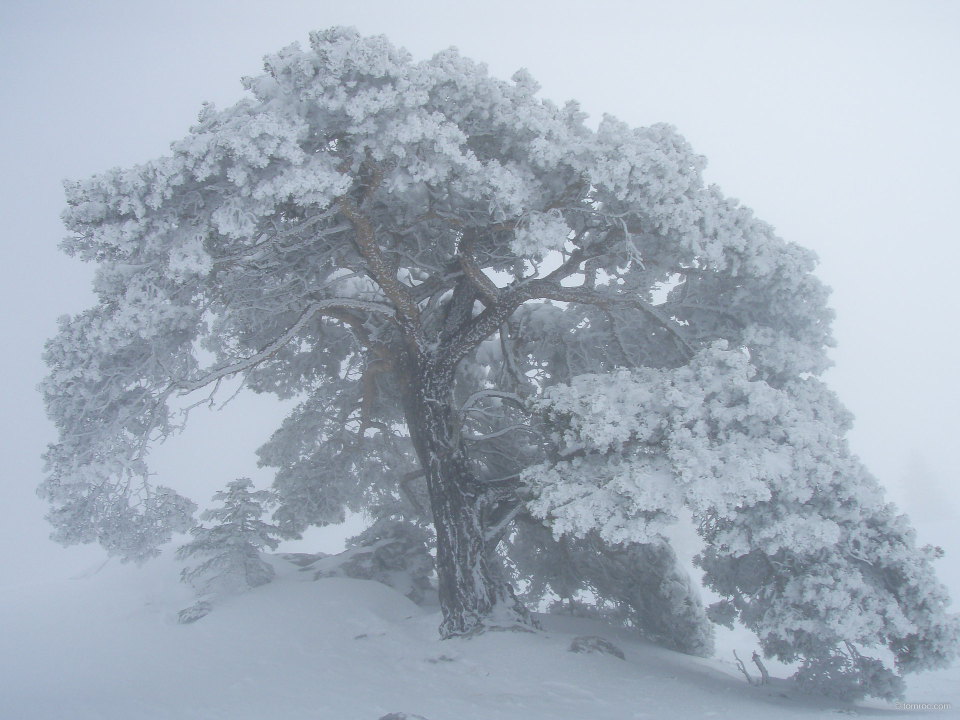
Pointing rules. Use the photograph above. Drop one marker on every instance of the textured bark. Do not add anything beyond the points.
(473, 591)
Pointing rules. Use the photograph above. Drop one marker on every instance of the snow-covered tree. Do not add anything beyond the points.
(799, 540)
(639, 585)
(233, 543)
(487, 310)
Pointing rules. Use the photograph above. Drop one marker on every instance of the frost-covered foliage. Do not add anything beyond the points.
(641, 586)
(233, 543)
(487, 311)
(798, 537)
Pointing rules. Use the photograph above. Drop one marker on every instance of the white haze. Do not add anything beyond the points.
(835, 121)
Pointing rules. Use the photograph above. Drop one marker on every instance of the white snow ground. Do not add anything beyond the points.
(107, 645)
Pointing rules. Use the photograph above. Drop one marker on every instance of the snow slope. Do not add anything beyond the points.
(107, 645)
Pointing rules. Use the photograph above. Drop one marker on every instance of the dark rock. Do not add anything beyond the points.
(441, 659)
(303, 560)
(391, 552)
(194, 612)
(595, 644)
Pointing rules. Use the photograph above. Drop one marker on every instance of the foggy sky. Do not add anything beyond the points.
(836, 122)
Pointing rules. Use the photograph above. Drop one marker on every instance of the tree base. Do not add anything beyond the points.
(508, 616)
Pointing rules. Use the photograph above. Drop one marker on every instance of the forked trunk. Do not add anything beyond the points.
(473, 591)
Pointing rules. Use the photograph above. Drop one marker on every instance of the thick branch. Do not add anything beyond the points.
(487, 322)
(461, 343)
(380, 269)
(475, 275)
(355, 323)
(509, 362)
(459, 310)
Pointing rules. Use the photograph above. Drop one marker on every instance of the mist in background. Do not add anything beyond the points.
(835, 121)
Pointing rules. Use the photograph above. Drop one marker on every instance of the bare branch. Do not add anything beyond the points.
(498, 433)
(183, 387)
(486, 323)
(764, 675)
(481, 394)
(502, 525)
(743, 669)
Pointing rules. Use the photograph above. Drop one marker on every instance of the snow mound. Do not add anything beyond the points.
(400, 562)
(109, 646)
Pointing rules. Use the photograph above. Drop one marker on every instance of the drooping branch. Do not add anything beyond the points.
(590, 296)
(500, 433)
(186, 387)
(481, 394)
(356, 324)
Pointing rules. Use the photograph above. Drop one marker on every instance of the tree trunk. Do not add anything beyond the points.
(473, 591)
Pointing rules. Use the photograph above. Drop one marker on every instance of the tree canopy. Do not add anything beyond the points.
(497, 322)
